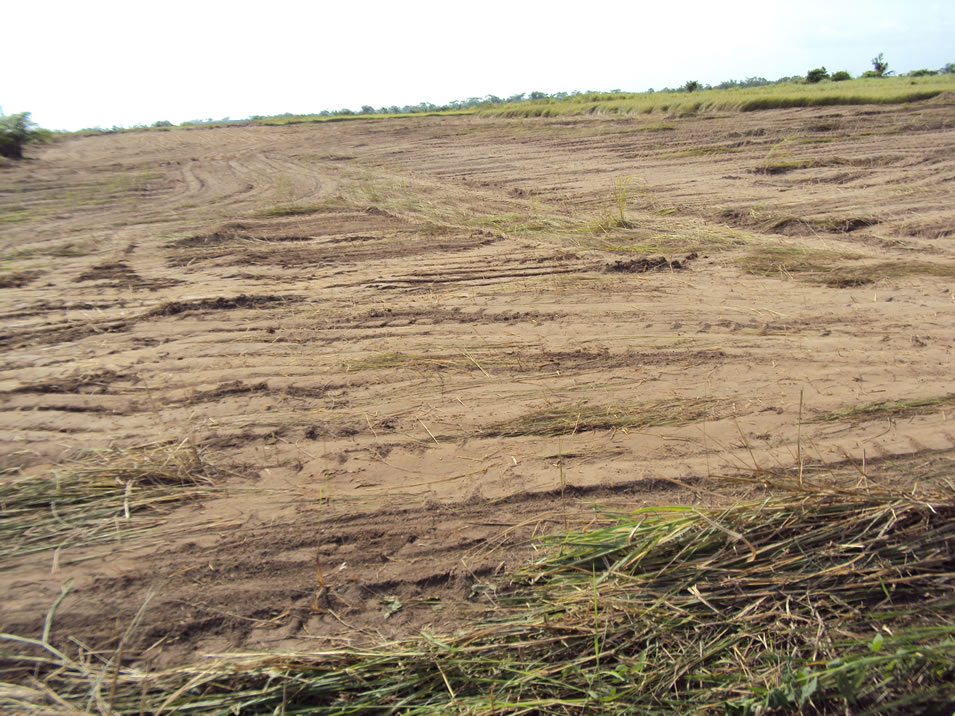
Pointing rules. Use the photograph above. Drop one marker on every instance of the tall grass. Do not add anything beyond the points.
(894, 90)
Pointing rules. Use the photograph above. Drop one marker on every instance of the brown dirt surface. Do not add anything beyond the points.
(399, 350)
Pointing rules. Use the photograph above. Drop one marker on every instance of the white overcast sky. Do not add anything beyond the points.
(105, 63)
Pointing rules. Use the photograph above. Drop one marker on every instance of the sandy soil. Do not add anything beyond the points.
(406, 348)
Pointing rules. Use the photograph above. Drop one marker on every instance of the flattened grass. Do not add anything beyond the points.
(101, 498)
(302, 209)
(584, 418)
(890, 409)
(829, 267)
(822, 601)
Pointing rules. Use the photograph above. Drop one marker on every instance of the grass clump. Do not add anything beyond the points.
(817, 601)
(585, 418)
(101, 498)
(890, 409)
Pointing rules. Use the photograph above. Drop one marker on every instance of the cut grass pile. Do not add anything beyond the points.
(890, 409)
(818, 601)
(103, 497)
(894, 90)
(583, 418)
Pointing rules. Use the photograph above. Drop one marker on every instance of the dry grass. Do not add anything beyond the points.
(102, 497)
(790, 261)
(584, 418)
(890, 409)
(828, 267)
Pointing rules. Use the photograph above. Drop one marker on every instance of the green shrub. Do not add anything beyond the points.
(840, 76)
(16, 130)
(691, 86)
(817, 75)
(922, 73)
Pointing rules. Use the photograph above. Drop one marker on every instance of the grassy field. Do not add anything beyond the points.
(888, 90)
(885, 90)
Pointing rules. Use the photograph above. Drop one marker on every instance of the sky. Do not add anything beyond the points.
(77, 65)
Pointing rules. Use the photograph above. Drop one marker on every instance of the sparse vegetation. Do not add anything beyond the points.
(427, 397)
(817, 75)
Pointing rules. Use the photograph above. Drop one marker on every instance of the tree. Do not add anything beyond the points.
(17, 130)
(880, 68)
(691, 86)
(840, 76)
(817, 75)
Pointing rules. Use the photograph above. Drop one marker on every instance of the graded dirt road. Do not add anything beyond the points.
(401, 350)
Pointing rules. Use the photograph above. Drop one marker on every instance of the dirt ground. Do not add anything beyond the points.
(405, 349)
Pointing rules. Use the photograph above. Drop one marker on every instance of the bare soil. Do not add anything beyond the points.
(404, 349)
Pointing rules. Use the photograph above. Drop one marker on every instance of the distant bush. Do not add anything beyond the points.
(949, 69)
(817, 75)
(16, 131)
(840, 76)
(922, 73)
(691, 86)
(163, 123)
